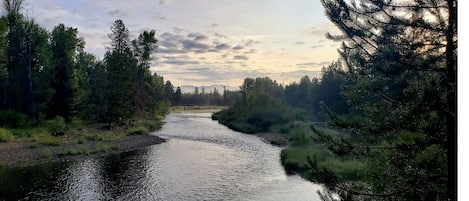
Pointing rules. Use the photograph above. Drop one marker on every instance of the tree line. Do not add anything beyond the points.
(202, 98)
(44, 74)
(267, 106)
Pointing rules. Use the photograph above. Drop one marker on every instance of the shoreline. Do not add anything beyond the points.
(276, 139)
(25, 153)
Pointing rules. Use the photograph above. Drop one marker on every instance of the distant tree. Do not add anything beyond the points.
(177, 96)
(168, 91)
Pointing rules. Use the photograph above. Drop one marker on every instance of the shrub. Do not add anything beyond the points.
(300, 137)
(5, 135)
(12, 119)
(47, 153)
(138, 130)
(56, 125)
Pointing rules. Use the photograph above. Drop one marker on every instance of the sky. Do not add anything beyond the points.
(207, 42)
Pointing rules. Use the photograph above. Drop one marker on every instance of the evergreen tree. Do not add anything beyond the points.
(143, 47)
(401, 58)
(65, 45)
(120, 67)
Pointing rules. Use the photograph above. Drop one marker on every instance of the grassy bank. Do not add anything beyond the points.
(302, 145)
(56, 140)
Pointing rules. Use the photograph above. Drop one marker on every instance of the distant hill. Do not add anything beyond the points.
(208, 89)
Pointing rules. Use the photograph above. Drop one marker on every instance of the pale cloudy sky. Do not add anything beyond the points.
(205, 42)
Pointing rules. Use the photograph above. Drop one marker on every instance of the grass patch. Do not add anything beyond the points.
(138, 130)
(294, 159)
(47, 153)
(5, 135)
(103, 147)
(48, 140)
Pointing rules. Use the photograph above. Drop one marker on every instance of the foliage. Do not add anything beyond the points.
(64, 46)
(300, 137)
(5, 135)
(47, 153)
(44, 74)
(262, 107)
(137, 130)
(401, 72)
(48, 140)
(55, 126)
(12, 119)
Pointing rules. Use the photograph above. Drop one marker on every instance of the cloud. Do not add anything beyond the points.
(238, 47)
(222, 46)
(219, 35)
(251, 51)
(180, 30)
(214, 25)
(250, 42)
(193, 45)
(240, 57)
(299, 42)
(181, 62)
(117, 13)
(314, 63)
(197, 36)
(317, 46)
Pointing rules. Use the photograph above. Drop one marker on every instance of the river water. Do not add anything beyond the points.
(202, 160)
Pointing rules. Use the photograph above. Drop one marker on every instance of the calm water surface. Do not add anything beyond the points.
(202, 160)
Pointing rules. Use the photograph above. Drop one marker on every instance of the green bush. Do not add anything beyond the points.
(152, 125)
(47, 153)
(5, 135)
(12, 119)
(294, 159)
(56, 125)
(300, 137)
(138, 130)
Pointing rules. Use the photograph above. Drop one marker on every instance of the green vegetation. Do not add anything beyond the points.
(385, 113)
(47, 153)
(137, 130)
(5, 135)
(54, 93)
(99, 148)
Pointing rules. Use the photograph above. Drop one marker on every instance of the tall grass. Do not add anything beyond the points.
(5, 135)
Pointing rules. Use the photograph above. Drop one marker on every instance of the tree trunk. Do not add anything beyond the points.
(451, 122)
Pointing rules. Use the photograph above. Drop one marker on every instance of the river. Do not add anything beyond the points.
(202, 160)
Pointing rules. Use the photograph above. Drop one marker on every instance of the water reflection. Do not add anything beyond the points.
(201, 161)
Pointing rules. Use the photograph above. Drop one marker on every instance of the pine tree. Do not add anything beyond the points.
(401, 58)
(120, 66)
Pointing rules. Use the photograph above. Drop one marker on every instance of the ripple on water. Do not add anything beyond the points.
(202, 160)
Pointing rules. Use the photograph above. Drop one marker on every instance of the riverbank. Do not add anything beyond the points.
(27, 153)
(55, 140)
(276, 139)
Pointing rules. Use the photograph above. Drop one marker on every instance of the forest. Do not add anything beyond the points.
(389, 105)
(48, 82)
